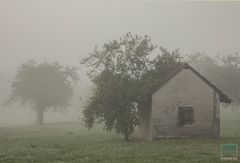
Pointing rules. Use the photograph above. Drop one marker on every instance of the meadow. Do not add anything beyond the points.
(71, 142)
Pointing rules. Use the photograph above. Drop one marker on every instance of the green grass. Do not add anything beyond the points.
(70, 142)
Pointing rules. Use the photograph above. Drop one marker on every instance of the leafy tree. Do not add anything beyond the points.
(113, 104)
(43, 86)
(125, 73)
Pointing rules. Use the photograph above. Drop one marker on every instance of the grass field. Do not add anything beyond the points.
(70, 142)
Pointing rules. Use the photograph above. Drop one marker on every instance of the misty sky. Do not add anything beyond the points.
(66, 30)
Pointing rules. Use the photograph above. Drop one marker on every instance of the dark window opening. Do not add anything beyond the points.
(185, 116)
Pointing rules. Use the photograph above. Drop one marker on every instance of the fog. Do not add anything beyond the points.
(66, 31)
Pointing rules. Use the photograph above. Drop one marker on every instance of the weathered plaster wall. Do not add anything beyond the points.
(185, 89)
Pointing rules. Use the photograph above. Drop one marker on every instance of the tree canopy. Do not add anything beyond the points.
(125, 72)
(43, 86)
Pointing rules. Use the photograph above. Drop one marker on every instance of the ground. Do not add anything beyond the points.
(71, 142)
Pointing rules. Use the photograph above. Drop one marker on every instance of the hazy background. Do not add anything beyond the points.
(66, 30)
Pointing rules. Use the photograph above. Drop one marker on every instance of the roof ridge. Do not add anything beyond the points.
(185, 65)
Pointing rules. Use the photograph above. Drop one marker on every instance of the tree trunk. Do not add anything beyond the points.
(40, 114)
(126, 136)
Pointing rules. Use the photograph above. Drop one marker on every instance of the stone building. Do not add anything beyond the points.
(185, 105)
